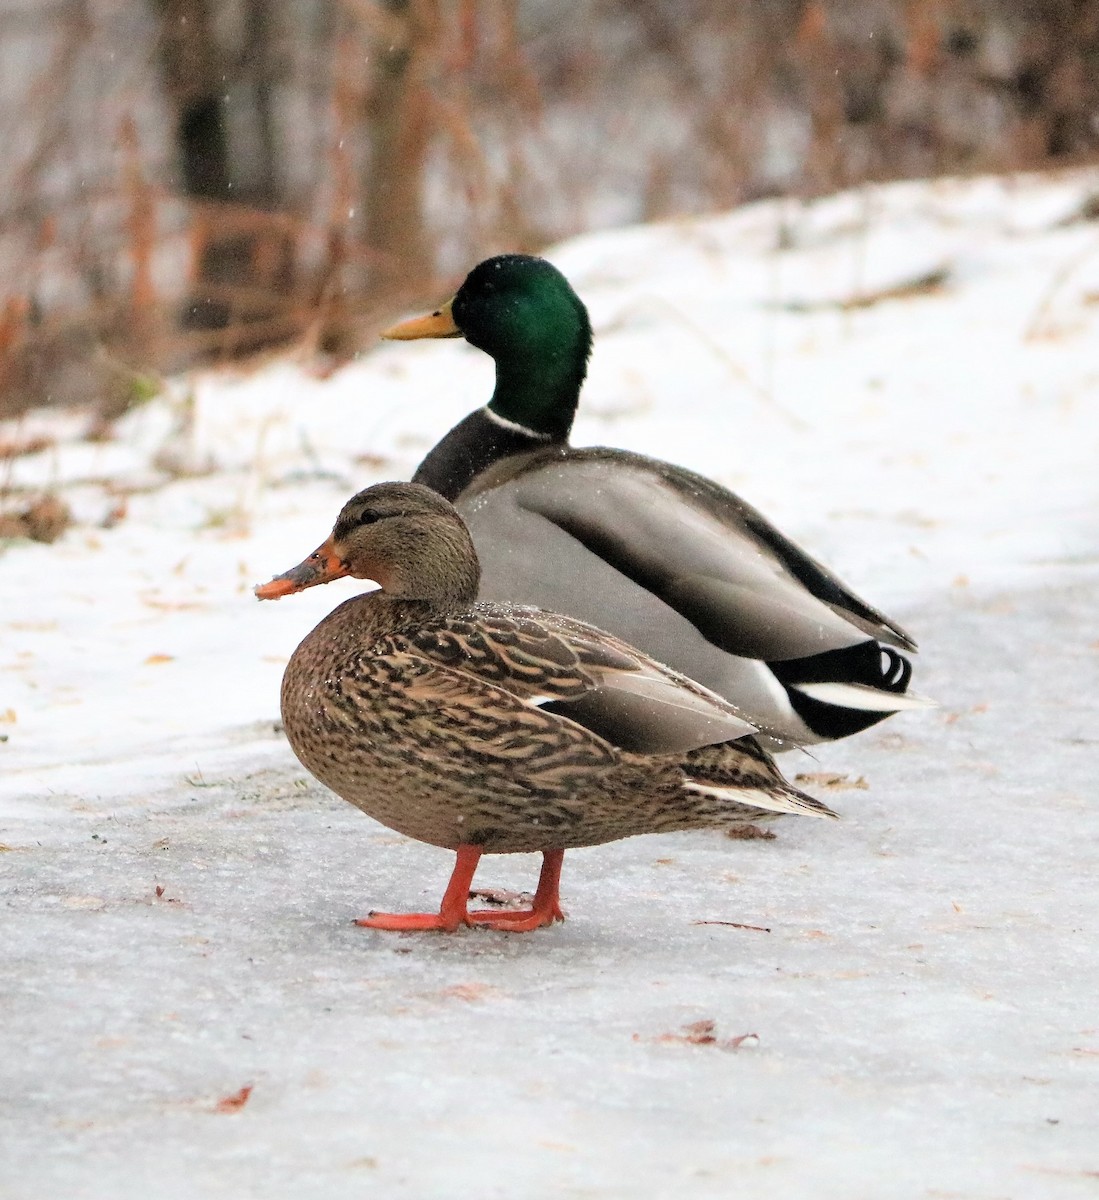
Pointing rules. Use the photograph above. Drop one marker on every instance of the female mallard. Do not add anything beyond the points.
(492, 728)
(664, 558)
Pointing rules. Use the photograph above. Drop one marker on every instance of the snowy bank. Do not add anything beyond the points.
(905, 380)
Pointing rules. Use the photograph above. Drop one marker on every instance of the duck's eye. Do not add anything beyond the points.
(352, 521)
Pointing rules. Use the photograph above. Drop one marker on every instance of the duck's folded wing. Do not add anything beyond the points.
(564, 668)
(704, 552)
(455, 714)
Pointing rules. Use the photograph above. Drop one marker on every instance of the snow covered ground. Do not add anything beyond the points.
(905, 380)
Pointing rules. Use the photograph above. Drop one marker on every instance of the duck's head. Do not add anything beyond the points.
(405, 537)
(522, 311)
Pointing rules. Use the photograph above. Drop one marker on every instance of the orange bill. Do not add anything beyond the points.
(322, 566)
(439, 324)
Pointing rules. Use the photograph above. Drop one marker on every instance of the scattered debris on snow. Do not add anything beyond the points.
(904, 379)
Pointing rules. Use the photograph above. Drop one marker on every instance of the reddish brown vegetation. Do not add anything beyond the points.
(248, 174)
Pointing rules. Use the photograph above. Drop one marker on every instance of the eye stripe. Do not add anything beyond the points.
(353, 520)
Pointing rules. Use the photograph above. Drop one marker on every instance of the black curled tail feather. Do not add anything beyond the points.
(869, 664)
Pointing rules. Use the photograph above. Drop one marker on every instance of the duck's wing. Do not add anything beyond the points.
(698, 548)
(558, 667)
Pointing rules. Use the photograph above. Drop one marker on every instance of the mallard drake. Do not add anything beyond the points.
(496, 728)
(664, 558)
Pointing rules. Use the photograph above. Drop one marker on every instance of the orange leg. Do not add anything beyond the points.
(547, 902)
(452, 912)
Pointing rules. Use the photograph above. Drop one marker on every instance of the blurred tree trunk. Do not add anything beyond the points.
(259, 67)
(194, 77)
(207, 84)
(241, 261)
(1058, 81)
(399, 128)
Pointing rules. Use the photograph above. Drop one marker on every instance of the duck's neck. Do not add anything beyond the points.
(366, 619)
(533, 406)
(538, 391)
(472, 446)
(439, 576)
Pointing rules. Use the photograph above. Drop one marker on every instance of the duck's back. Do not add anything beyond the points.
(672, 563)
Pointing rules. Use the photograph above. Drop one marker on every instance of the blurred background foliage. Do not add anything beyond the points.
(187, 181)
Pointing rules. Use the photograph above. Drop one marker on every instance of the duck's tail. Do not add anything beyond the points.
(740, 775)
(840, 692)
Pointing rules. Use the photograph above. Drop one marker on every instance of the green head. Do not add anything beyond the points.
(522, 311)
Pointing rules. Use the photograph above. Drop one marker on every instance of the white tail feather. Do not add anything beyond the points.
(861, 697)
(788, 802)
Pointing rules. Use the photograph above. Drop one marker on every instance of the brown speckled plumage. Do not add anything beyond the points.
(501, 728)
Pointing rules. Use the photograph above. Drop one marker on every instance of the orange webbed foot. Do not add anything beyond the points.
(453, 912)
(518, 920)
(406, 921)
(546, 907)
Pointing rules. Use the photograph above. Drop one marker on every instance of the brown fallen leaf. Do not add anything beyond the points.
(468, 992)
(236, 1101)
(154, 659)
(750, 833)
(704, 1033)
(502, 898)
